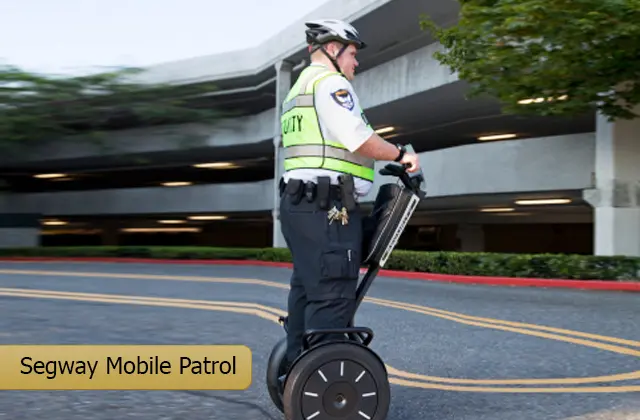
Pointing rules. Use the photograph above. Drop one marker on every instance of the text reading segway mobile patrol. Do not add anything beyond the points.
(122, 366)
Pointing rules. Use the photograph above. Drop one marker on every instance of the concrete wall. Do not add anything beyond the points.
(552, 163)
(404, 76)
(197, 198)
(227, 132)
(19, 229)
(538, 164)
(19, 237)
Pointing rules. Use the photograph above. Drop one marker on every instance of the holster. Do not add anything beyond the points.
(295, 189)
(347, 192)
(324, 192)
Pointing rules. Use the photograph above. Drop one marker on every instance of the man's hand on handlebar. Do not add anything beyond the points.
(411, 161)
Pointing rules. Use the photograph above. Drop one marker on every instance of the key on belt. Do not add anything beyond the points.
(335, 214)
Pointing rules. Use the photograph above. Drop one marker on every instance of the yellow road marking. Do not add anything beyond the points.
(133, 300)
(265, 309)
(251, 309)
(559, 390)
(558, 381)
(382, 302)
(465, 319)
(593, 344)
(148, 277)
(508, 323)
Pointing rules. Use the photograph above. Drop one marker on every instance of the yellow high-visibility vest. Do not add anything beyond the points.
(304, 144)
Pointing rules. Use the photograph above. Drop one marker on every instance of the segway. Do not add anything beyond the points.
(346, 379)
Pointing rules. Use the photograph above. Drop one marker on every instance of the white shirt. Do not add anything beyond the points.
(340, 120)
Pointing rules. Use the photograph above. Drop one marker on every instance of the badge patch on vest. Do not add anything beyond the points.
(343, 98)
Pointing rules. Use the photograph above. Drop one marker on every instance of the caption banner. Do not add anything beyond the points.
(125, 367)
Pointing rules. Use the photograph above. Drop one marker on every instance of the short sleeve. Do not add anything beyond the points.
(339, 112)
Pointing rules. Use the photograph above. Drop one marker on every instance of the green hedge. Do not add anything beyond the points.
(558, 266)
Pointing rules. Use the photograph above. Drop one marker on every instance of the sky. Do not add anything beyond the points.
(77, 36)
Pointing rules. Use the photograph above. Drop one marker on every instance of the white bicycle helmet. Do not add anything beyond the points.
(322, 31)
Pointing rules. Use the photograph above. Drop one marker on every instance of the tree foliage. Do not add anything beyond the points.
(561, 57)
(35, 107)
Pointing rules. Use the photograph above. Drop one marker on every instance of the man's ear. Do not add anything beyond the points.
(335, 47)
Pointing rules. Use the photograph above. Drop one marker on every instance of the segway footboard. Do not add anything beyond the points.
(391, 212)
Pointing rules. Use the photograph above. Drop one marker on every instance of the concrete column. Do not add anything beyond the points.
(19, 230)
(616, 196)
(471, 238)
(283, 85)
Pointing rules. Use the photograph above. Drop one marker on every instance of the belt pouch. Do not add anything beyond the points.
(295, 189)
(347, 191)
(310, 191)
(324, 183)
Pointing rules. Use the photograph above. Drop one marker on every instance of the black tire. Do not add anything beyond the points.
(340, 380)
(275, 370)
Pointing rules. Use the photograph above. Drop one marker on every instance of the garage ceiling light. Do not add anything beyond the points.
(54, 223)
(176, 184)
(158, 230)
(207, 217)
(496, 209)
(497, 137)
(216, 165)
(543, 201)
(49, 176)
(171, 222)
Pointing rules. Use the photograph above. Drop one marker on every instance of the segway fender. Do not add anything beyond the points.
(333, 342)
(275, 370)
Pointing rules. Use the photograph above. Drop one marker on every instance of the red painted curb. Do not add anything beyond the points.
(152, 261)
(613, 285)
(518, 281)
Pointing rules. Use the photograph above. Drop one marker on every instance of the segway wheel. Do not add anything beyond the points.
(340, 380)
(275, 370)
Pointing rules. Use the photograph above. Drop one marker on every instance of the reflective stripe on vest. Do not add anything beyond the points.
(304, 145)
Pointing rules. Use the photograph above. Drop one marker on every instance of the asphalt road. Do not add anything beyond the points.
(455, 351)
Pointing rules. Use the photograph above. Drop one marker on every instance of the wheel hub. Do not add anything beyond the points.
(340, 390)
(340, 399)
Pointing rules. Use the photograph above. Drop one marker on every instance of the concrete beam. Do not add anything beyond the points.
(226, 132)
(532, 165)
(216, 198)
(537, 164)
(404, 76)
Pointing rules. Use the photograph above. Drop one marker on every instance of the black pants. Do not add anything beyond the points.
(326, 264)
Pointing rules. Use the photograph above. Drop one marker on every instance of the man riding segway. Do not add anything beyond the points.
(329, 154)
(330, 150)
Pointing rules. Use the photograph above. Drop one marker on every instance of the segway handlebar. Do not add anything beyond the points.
(412, 181)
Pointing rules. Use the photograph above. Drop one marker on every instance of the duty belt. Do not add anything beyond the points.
(323, 191)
